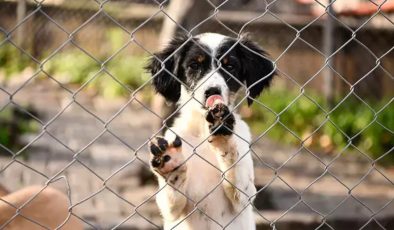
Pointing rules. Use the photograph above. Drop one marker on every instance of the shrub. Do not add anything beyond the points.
(78, 68)
(13, 124)
(11, 59)
(352, 121)
(74, 66)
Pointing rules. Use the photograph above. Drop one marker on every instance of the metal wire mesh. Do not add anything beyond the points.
(105, 126)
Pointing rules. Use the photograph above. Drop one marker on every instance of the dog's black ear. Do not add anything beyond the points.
(258, 70)
(164, 67)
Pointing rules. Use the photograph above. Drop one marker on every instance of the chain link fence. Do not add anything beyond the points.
(77, 110)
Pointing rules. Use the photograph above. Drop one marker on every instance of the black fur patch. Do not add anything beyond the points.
(258, 70)
(250, 64)
(231, 69)
(196, 64)
(167, 80)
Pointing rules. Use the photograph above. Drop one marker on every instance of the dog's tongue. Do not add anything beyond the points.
(211, 100)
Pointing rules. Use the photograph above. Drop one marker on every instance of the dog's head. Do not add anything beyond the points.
(191, 70)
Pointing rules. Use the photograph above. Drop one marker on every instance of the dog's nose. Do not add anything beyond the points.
(212, 91)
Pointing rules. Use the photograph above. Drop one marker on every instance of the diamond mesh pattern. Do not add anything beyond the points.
(112, 149)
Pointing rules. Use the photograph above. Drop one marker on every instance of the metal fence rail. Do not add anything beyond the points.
(328, 17)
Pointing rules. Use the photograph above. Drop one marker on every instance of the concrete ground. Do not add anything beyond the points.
(95, 150)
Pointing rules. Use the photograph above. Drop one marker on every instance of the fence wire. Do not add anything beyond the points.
(137, 152)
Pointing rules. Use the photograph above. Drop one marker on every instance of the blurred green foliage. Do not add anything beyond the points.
(123, 76)
(351, 121)
(124, 72)
(13, 124)
(12, 60)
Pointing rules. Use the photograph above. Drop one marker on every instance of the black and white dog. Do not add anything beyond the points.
(203, 163)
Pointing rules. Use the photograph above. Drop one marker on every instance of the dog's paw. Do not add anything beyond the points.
(165, 157)
(221, 121)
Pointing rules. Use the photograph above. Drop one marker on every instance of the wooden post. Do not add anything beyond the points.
(328, 46)
(20, 15)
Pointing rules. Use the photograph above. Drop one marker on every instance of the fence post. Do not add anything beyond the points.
(328, 46)
(20, 15)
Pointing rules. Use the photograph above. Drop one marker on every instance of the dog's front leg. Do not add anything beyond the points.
(167, 163)
(238, 171)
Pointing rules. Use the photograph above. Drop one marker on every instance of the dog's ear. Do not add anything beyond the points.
(164, 67)
(258, 70)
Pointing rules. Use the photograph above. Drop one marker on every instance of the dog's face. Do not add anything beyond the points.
(191, 70)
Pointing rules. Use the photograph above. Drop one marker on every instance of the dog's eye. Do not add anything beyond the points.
(193, 66)
(229, 67)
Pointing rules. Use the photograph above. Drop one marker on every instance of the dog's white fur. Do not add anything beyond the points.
(214, 186)
(201, 179)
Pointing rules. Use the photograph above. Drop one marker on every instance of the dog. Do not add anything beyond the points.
(42, 208)
(203, 162)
